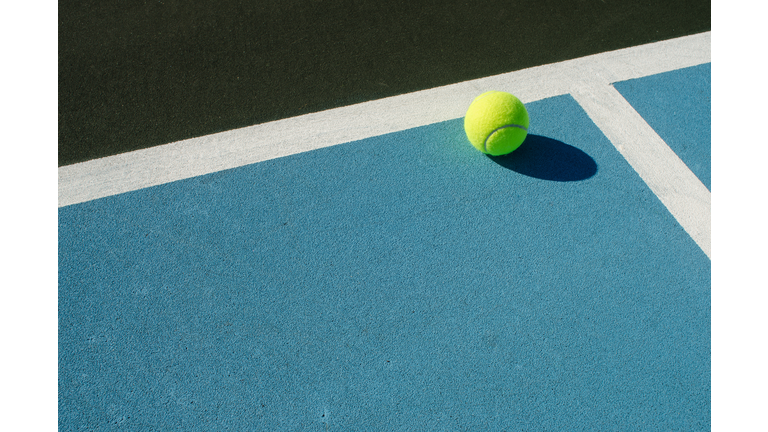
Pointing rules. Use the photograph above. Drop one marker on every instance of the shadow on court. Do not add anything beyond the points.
(548, 159)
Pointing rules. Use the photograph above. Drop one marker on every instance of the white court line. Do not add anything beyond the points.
(193, 157)
(588, 79)
(684, 195)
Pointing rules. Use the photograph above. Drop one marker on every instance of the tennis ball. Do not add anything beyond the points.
(496, 123)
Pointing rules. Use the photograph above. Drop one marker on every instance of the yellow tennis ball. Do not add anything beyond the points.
(496, 123)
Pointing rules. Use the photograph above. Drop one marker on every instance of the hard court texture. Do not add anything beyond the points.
(401, 282)
(270, 217)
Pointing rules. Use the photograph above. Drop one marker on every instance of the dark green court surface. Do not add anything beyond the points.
(138, 74)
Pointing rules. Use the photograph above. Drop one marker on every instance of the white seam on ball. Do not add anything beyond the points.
(485, 143)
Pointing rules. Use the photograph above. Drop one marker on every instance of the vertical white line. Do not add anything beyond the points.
(669, 178)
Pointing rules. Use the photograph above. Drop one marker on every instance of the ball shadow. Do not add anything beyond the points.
(548, 159)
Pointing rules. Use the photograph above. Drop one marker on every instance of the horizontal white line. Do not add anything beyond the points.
(193, 157)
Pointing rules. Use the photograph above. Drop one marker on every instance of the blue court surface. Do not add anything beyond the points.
(403, 281)
(677, 105)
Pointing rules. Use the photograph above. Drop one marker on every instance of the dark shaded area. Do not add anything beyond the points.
(548, 159)
(135, 74)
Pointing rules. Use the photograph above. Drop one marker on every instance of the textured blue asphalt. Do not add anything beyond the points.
(678, 106)
(401, 282)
